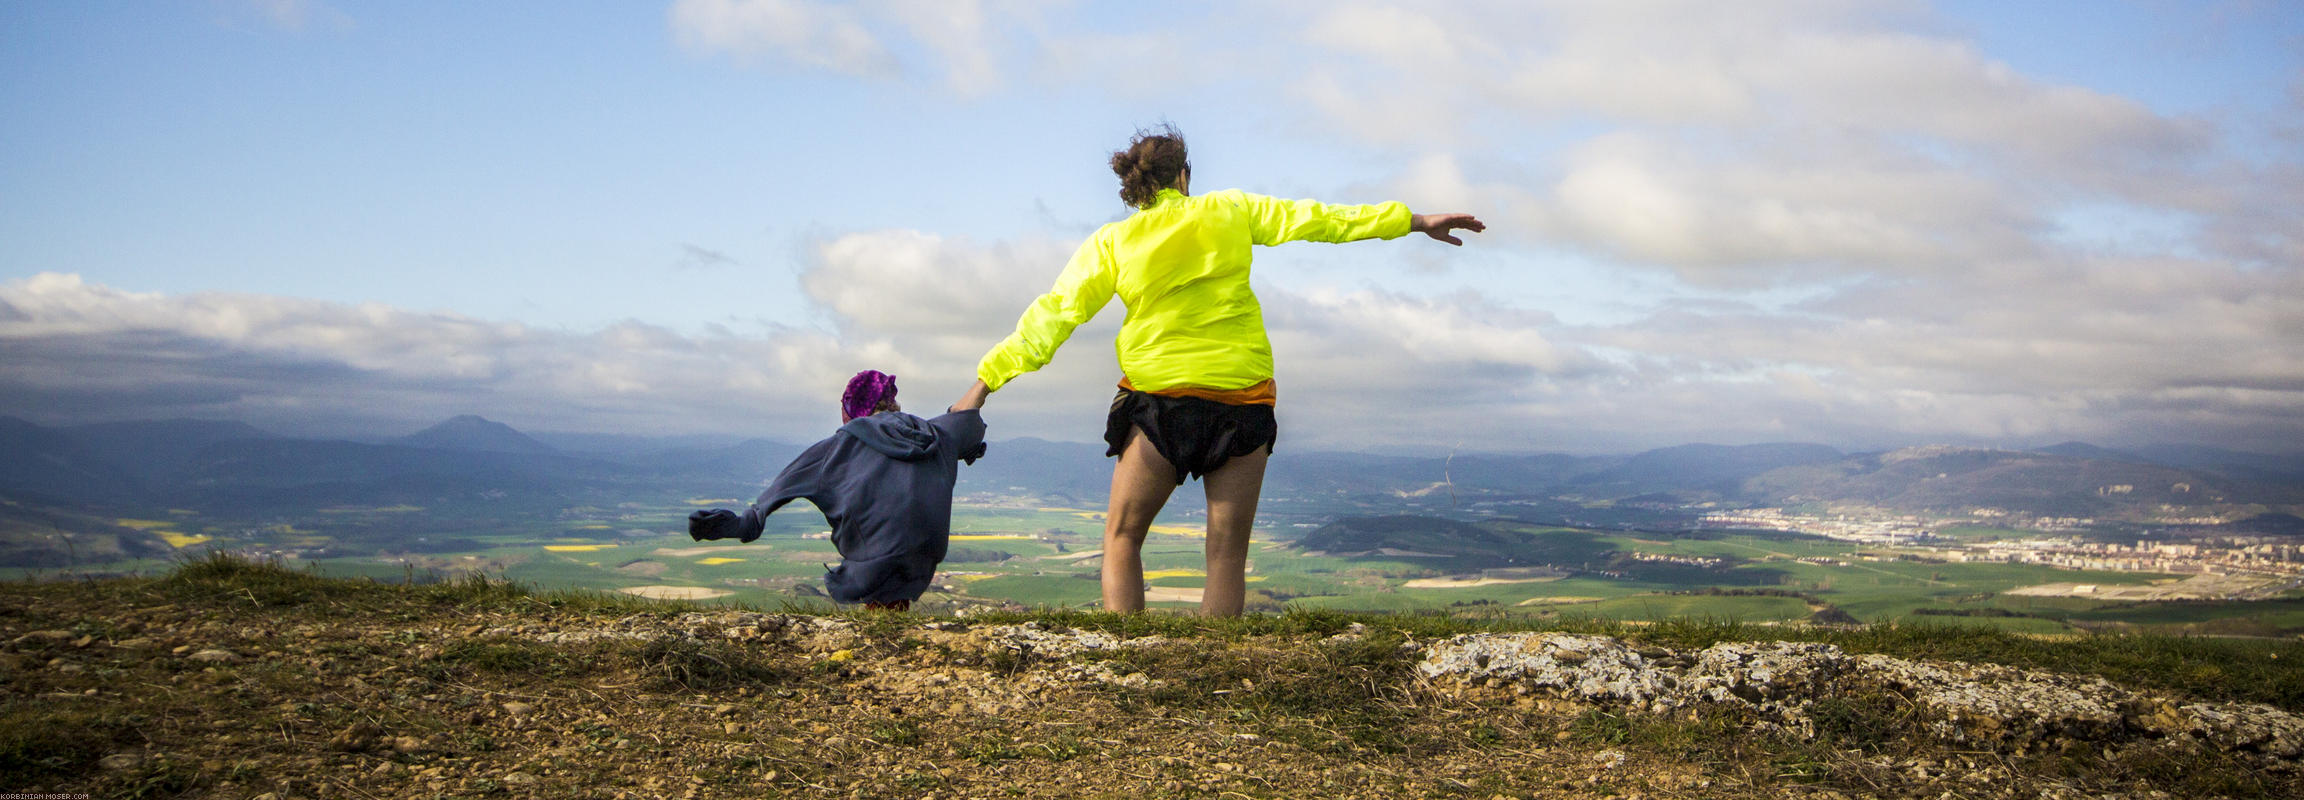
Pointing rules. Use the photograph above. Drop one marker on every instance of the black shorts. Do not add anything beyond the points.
(1196, 436)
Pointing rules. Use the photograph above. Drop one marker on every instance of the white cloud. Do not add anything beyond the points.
(1353, 359)
(920, 306)
(903, 281)
(806, 33)
(959, 42)
(2112, 349)
(1763, 216)
(1746, 143)
(77, 349)
(959, 33)
(294, 15)
(2123, 349)
(1912, 179)
(1397, 36)
(1928, 198)
(933, 305)
(1842, 65)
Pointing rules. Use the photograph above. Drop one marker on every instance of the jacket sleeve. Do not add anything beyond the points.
(1081, 291)
(967, 431)
(1272, 220)
(803, 478)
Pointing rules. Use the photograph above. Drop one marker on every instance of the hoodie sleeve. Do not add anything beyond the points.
(967, 431)
(803, 478)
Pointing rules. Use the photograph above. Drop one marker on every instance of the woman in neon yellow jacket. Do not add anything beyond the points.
(1196, 392)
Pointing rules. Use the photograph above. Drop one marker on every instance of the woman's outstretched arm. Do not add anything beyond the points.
(1273, 220)
(1438, 226)
(974, 397)
(1085, 287)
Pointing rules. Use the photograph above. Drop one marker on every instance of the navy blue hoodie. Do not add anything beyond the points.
(884, 482)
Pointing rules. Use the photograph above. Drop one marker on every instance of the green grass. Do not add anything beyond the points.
(45, 741)
(2277, 617)
(2033, 626)
(2253, 670)
(1039, 590)
(1368, 603)
(2249, 670)
(134, 566)
(1872, 591)
(1277, 678)
(1875, 591)
(1657, 607)
(221, 576)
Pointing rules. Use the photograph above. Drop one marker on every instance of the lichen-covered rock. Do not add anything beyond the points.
(1781, 683)
(1993, 704)
(2243, 727)
(1102, 672)
(1764, 672)
(215, 656)
(1036, 640)
(1584, 667)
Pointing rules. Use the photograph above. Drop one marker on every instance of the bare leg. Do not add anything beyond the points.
(1141, 483)
(1232, 493)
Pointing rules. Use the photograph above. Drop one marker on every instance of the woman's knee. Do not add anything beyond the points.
(1126, 533)
(1133, 515)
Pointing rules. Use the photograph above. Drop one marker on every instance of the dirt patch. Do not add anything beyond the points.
(1393, 552)
(1466, 583)
(1563, 600)
(277, 683)
(1171, 594)
(683, 552)
(674, 592)
(2197, 587)
(645, 569)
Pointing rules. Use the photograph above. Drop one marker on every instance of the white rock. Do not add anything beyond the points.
(214, 656)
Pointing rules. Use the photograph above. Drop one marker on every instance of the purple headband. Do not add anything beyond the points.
(866, 392)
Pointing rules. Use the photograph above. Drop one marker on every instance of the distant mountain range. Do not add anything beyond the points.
(2046, 482)
(231, 466)
(470, 432)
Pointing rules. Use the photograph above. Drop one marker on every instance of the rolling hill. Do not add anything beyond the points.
(1960, 479)
(128, 469)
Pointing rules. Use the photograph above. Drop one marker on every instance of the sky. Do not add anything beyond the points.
(1862, 223)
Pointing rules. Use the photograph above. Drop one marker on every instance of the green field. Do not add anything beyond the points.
(1031, 557)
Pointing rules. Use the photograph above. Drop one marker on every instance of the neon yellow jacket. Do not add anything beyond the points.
(1180, 267)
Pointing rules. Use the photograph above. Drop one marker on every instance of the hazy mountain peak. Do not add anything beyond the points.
(473, 432)
(1927, 451)
(2077, 449)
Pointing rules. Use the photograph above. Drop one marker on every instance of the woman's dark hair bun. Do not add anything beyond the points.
(1155, 159)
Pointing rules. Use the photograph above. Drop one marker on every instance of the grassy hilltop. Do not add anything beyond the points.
(1044, 557)
(226, 678)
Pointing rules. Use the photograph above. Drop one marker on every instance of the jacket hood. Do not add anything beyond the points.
(894, 434)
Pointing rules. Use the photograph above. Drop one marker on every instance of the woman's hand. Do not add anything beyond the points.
(1438, 226)
(973, 398)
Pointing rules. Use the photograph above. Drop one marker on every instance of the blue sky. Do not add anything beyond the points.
(1860, 223)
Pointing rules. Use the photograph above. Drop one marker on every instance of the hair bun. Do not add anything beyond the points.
(1155, 159)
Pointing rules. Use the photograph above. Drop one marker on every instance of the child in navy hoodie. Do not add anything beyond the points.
(884, 482)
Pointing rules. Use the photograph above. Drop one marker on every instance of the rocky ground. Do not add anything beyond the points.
(255, 682)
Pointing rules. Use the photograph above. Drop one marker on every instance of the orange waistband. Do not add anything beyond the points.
(1264, 393)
